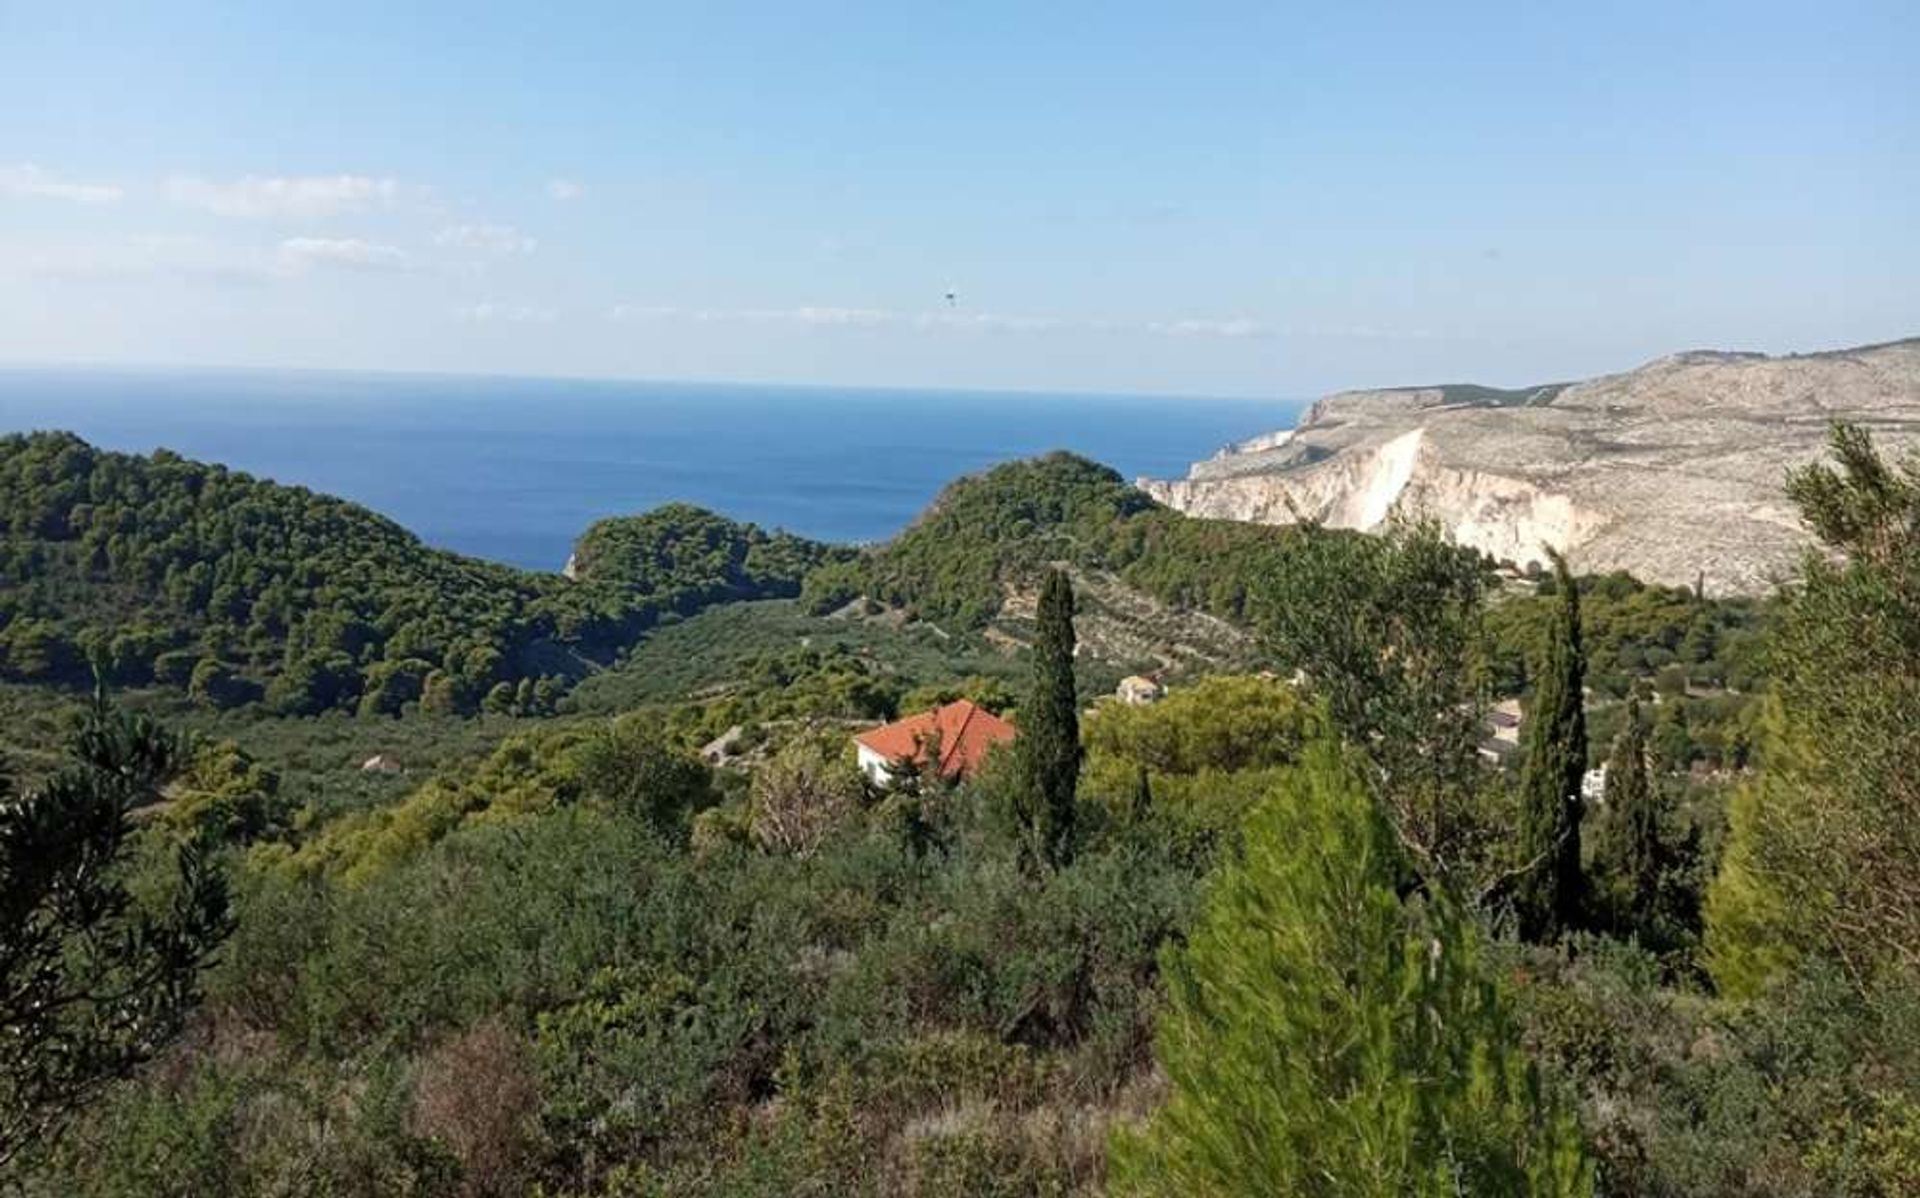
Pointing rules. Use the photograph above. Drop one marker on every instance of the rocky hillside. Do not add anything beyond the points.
(1669, 471)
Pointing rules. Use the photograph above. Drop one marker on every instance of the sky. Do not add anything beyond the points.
(1268, 199)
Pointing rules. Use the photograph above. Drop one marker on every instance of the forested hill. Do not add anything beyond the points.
(239, 589)
(988, 535)
(688, 557)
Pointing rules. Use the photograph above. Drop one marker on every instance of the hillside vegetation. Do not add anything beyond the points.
(1143, 950)
(165, 570)
(992, 533)
(684, 558)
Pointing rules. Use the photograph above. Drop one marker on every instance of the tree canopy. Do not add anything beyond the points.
(1823, 853)
(161, 569)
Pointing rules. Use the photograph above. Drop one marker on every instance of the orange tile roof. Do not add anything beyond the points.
(965, 731)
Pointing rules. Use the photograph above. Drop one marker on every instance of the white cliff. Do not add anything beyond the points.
(1670, 471)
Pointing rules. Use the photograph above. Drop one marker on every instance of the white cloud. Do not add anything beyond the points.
(636, 313)
(257, 196)
(960, 320)
(490, 239)
(1239, 326)
(202, 260)
(350, 253)
(937, 320)
(833, 316)
(27, 181)
(1364, 332)
(506, 314)
(995, 322)
(565, 189)
(805, 315)
(123, 259)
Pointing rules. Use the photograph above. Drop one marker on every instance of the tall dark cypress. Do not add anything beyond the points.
(1629, 844)
(1050, 727)
(1550, 895)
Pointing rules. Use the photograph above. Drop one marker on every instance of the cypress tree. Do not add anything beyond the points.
(1050, 728)
(1555, 762)
(1630, 826)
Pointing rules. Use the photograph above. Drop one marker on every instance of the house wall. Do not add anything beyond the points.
(872, 764)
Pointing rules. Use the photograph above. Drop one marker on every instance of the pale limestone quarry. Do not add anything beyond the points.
(1671, 471)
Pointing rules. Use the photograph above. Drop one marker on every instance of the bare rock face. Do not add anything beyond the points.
(1671, 471)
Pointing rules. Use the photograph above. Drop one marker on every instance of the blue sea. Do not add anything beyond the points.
(514, 469)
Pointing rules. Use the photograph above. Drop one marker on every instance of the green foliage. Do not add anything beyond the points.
(633, 768)
(525, 774)
(1628, 849)
(1549, 896)
(746, 663)
(809, 789)
(1632, 630)
(1200, 757)
(1004, 529)
(224, 796)
(247, 1126)
(391, 685)
(1809, 1090)
(93, 981)
(1321, 1037)
(214, 684)
(155, 562)
(1387, 632)
(1224, 722)
(688, 558)
(996, 527)
(831, 586)
(564, 957)
(1823, 855)
(1049, 742)
(850, 1020)
(992, 693)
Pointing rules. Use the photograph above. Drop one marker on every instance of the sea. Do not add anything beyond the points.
(514, 469)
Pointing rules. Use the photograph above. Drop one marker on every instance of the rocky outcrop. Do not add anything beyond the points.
(1670, 471)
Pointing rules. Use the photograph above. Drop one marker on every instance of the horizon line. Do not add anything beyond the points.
(85, 367)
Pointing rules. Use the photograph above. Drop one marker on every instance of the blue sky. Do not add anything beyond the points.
(1221, 199)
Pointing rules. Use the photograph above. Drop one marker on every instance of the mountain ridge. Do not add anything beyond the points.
(1670, 470)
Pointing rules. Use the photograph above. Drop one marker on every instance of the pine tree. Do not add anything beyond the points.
(1549, 895)
(1050, 728)
(1629, 848)
(93, 983)
(1822, 856)
(1323, 1037)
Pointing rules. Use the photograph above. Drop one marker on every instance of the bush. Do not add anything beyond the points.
(632, 768)
(809, 788)
(477, 1095)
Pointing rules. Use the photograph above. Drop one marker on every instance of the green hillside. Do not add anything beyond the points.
(996, 530)
(190, 575)
(685, 558)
